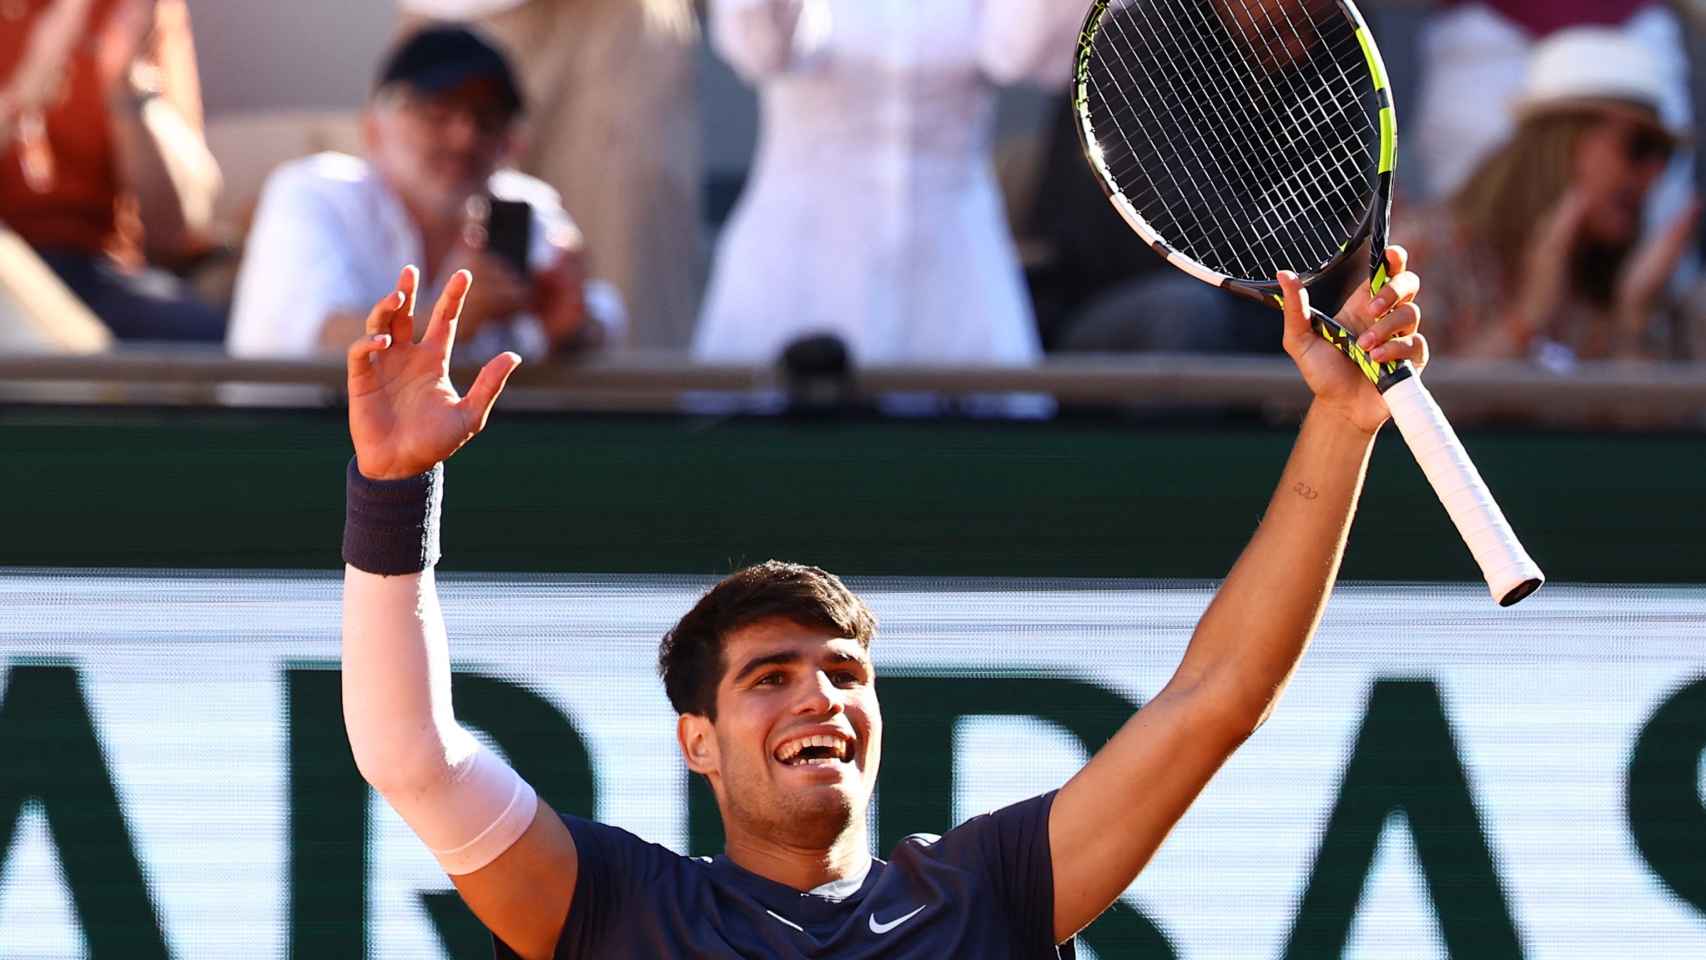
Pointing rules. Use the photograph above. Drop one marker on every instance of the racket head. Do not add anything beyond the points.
(1204, 121)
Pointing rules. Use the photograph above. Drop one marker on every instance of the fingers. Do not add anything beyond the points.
(1401, 289)
(1296, 300)
(477, 405)
(441, 330)
(1675, 235)
(403, 324)
(1397, 259)
(1412, 347)
(360, 357)
(1400, 322)
(1558, 228)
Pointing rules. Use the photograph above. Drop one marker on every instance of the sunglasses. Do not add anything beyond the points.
(1644, 146)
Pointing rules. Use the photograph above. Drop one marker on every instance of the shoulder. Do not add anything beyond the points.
(625, 888)
(322, 177)
(988, 838)
(615, 850)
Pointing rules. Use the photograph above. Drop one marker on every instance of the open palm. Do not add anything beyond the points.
(404, 414)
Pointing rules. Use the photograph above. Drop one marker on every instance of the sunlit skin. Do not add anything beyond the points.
(1614, 179)
(799, 825)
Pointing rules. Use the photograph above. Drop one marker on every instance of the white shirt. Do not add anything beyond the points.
(872, 210)
(330, 235)
(458, 9)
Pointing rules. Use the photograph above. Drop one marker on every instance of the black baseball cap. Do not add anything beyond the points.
(443, 57)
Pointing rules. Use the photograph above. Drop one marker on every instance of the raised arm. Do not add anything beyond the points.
(509, 855)
(762, 37)
(1111, 817)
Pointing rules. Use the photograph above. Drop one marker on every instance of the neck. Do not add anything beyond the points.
(802, 868)
(440, 227)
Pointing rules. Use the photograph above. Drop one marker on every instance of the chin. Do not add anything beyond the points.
(819, 817)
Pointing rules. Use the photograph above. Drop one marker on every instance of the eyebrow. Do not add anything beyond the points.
(792, 656)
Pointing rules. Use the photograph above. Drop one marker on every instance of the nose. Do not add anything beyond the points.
(461, 129)
(823, 698)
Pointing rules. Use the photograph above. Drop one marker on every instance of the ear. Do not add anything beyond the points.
(698, 742)
(370, 128)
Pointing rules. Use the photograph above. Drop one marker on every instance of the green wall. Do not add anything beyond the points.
(608, 493)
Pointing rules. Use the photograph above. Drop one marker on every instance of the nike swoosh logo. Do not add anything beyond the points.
(881, 928)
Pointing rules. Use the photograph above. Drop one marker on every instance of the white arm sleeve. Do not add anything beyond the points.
(462, 800)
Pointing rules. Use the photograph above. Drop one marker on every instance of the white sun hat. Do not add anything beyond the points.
(1593, 68)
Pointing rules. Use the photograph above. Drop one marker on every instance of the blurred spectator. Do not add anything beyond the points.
(1474, 55)
(1542, 241)
(872, 211)
(103, 167)
(614, 127)
(332, 230)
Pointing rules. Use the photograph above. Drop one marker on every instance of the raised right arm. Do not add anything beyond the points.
(510, 856)
(763, 37)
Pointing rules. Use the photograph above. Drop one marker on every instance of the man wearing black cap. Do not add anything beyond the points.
(331, 229)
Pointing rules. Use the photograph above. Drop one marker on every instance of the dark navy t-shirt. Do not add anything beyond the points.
(985, 890)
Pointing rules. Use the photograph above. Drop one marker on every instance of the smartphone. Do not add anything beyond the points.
(509, 234)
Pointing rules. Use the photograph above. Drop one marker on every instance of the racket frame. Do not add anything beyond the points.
(1511, 575)
(1261, 289)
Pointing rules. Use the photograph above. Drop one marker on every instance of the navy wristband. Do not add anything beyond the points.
(391, 526)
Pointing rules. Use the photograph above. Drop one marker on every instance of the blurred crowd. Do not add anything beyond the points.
(552, 147)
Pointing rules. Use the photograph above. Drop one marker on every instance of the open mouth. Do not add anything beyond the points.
(819, 750)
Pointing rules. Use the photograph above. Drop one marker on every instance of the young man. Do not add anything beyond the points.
(773, 679)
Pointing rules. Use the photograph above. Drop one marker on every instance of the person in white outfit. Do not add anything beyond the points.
(872, 211)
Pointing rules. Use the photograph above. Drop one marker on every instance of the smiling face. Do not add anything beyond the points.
(792, 755)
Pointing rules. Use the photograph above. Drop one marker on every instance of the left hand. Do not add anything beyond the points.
(1641, 284)
(1386, 327)
(559, 296)
(121, 41)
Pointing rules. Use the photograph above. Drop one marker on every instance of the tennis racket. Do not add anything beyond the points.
(1243, 137)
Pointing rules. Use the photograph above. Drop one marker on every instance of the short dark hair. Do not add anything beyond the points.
(690, 658)
(441, 56)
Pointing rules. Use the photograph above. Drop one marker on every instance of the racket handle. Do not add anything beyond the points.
(1510, 573)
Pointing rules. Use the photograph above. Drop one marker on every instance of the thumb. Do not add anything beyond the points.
(477, 405)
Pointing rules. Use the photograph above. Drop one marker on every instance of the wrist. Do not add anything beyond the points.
(391, 526)
(1344, 420)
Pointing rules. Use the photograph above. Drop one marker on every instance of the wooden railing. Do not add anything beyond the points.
(1592, 395)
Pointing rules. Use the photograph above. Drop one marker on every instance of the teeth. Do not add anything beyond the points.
(790, 751)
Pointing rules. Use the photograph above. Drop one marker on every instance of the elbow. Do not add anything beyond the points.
(1226, 712)
(400, 764)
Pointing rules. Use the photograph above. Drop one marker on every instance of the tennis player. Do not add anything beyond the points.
(773, 678)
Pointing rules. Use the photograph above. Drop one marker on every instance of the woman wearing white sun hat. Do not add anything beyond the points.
(1543, 238)
(1474, 58)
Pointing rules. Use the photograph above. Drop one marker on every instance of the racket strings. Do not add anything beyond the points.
(1269, 210)
(1168, 165)
(1224, 145)
(1236, 130)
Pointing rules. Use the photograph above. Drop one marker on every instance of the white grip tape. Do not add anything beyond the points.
(1503, 561)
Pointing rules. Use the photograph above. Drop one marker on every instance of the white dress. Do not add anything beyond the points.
(872, 210)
